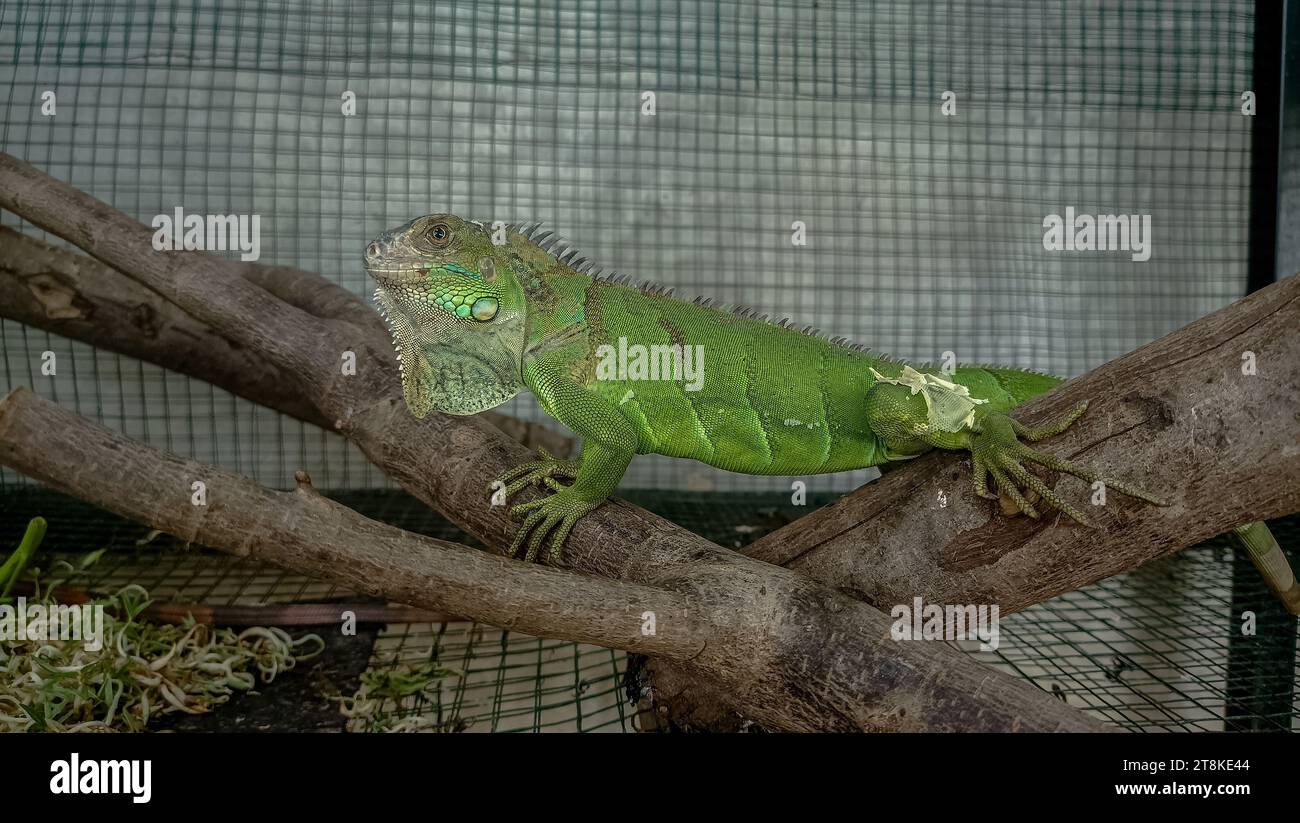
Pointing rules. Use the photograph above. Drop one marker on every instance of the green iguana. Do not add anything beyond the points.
(475, 322)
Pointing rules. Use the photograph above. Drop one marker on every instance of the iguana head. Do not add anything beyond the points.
(456, 311)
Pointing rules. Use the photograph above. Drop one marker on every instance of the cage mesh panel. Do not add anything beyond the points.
(924, 231)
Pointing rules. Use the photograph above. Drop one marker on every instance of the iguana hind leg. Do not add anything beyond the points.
(918, 410)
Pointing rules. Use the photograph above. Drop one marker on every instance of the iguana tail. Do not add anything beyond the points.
(1267, 556)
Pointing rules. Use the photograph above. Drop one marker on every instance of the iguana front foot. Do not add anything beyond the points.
(996, 451)
(556, 512)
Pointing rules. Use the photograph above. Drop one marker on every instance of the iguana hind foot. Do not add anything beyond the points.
(996, 450)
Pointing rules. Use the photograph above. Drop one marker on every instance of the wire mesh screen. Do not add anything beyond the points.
(920, 145)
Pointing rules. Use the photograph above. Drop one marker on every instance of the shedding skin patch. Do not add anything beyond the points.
(949, 406)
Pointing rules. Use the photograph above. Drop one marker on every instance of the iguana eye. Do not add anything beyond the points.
(438, 235)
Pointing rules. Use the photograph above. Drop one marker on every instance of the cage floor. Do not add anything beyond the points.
(1156, 649)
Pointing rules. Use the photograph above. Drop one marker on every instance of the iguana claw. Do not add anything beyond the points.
(538, 471)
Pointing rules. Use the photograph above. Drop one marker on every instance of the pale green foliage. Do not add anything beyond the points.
(388, 699)
(142, 670)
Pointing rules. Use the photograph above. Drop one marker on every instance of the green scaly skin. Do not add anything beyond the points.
(475, 323)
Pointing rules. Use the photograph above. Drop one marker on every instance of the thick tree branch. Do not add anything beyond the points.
(871, 683)
(309, 533)
(1177, 416)
(80, 298)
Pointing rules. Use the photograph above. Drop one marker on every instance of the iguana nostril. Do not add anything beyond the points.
(372, 250)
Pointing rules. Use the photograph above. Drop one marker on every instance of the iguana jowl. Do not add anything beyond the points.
(475, 323)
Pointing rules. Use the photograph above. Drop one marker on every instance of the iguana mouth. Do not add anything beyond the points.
(396, 276)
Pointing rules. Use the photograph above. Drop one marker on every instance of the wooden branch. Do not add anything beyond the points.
(869, 682)
(1177, 417)
(80, 298)
(308, 533)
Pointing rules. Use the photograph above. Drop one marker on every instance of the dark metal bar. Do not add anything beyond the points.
(1261, 667)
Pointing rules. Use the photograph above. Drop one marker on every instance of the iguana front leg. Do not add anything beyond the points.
(608, 444)
(918, 411)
